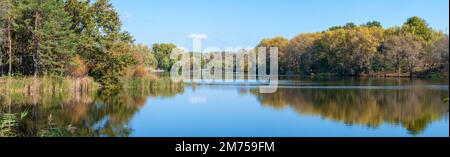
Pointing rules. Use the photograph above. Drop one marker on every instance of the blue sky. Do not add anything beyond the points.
(232, 23)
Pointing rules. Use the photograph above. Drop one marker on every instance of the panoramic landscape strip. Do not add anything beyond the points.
(69, 68)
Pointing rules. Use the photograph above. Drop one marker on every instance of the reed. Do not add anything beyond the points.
(47, 85)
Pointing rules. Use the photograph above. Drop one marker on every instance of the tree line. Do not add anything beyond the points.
(369, 49)
(413, 49)
(79, 38)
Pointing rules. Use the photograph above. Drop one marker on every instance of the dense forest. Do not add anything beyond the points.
(80, 38)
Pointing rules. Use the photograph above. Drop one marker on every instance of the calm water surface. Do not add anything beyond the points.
(300, 108)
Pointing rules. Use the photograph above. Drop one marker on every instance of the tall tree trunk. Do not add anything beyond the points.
(9, 47)
(1, 65)
(299, 65)
(410, 72)
(399, 68)
(36, 56)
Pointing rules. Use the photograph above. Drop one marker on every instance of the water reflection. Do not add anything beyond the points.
(413, 109)
(83, 114)
(96, 115)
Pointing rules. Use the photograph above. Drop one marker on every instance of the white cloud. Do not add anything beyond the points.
(198, 36)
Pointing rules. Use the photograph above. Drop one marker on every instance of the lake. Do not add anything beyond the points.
(301, 107)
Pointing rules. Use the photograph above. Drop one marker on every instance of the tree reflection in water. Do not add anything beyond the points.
(85, 114)
(413, 109)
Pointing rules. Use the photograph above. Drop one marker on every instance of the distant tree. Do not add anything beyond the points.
(145, 61)
(373, 24)
(349, 25)
(281, 43)
(366, 47)
(162, 54)
(402, 51)
(350, 51)
(145, 53)
(335, 28)
(299, 52)
(439, 54)
(420, 28)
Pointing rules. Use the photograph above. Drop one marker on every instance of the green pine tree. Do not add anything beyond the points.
(48, 35)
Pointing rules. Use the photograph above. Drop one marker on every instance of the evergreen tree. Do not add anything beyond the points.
(47, 35)
(7, 23)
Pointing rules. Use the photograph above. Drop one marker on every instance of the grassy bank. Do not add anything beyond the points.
(47, 85)
(16, 88)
